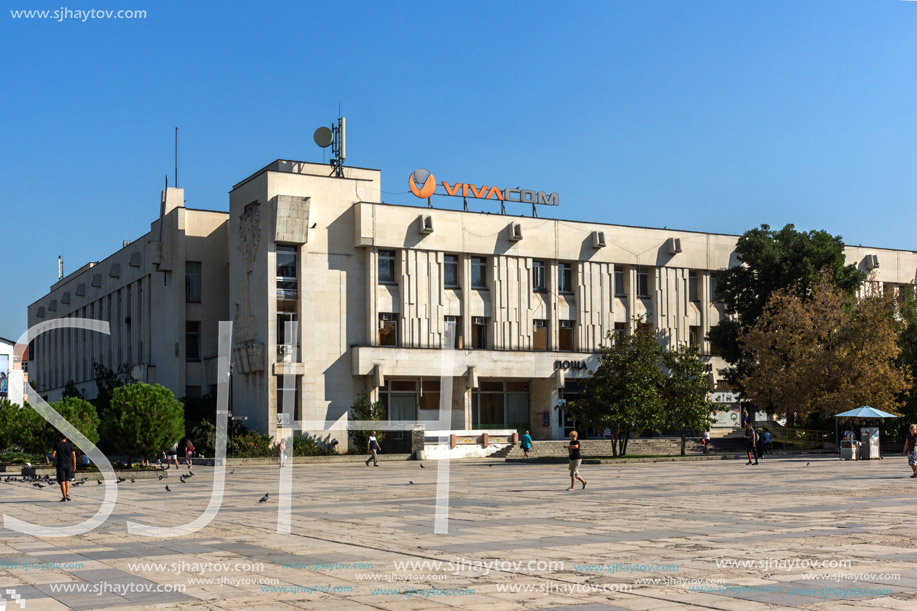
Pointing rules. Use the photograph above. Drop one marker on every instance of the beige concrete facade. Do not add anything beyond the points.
(372, 287)
(142, 292)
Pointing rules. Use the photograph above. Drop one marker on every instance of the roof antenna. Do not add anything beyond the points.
(176, 157)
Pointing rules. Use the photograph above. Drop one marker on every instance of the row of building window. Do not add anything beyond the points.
(539, 276)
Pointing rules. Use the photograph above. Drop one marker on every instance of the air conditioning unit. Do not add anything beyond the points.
(426, 224)
(515, 232)
(872, 262)
(598, 239)
(566, 324)
(384, 318)
(478, 320)
(674, 245)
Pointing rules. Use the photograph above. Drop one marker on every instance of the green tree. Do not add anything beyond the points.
(769, 261)
(8, 428)
(624, 393)
(31, 431)
(71, 390)
(143, 420)
(106, 383)
(78, 412)
(363, 409)
(686, 391)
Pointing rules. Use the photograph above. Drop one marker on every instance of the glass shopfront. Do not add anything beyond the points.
(500, 405)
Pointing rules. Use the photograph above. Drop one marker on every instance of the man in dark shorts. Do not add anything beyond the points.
(576, 458)
(750, 445)
(910, 448)
(64, 457)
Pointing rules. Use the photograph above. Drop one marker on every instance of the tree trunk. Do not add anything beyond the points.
(624, 442)
(684, 432)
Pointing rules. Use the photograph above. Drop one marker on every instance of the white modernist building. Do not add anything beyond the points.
(373, 288)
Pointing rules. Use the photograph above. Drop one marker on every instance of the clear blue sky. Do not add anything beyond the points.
(714, 115)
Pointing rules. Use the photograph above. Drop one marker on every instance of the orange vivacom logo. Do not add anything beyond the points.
(422, 183)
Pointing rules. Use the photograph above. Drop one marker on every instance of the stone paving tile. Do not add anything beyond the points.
(687, 515)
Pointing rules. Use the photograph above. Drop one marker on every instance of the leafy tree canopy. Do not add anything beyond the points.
(825, 354)
(143, 420)
(770, 261)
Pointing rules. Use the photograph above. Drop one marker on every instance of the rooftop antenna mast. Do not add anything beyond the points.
(176, 157)
(334, 137)
(60, 267)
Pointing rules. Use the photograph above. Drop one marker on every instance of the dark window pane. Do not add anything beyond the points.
(388, 332)
(193, 281)
(538, 283)
(450, 271)
(386, 266)
(479, 272)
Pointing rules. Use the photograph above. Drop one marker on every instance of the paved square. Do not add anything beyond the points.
(793, 532)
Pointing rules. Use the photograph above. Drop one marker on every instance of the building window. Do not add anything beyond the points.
(400, 399)
(193, 340)
(693, 292)
(564, 278)
(621, 329)
(540, 335)
(694, 337)
(193, 281)
(713, 296)
(643, 282)
(479, 272)
(645, 327)
(286, 272)
(565, 335)
(538, 283)
(428, 402)
(456, 321)
(290, 393)
(286, 312)
(386, 267)
(451, 272)
(479, 333)
(388, 329)
(619, 281)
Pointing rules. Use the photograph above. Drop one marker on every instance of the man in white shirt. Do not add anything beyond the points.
(373, 447)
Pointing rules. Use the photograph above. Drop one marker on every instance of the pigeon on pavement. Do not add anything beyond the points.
(264, 498)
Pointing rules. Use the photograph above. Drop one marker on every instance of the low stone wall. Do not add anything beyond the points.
(602, 447)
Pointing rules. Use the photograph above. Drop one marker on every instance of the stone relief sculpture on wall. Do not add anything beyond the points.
(249, 240)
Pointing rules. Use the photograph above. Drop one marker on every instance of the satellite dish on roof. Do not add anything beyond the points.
(323, 137)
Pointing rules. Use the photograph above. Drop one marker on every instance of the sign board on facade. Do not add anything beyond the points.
(423, 185)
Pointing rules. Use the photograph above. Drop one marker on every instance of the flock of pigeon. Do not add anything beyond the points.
(41, 482)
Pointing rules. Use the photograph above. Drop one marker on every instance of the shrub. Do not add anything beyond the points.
(144, 420)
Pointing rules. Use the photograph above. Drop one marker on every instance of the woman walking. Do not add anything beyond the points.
(575, 460)
(189, 450)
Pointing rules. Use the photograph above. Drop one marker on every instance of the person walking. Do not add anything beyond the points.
(64, 457)
(706, 441)
(373, 447)
(282, 447)
(172, 456)
(189, 450)
(750, 444)
(526, 442)
(767, 442)
(910, 448)
(575, 460)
